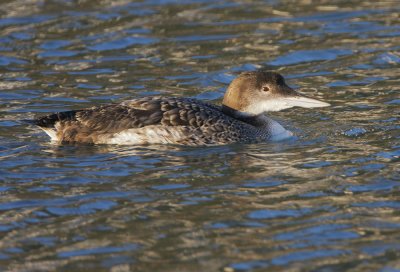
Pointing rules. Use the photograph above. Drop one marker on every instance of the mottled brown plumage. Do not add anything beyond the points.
(177, 120)
(200, 122)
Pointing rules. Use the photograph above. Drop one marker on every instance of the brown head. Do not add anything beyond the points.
(258, 92)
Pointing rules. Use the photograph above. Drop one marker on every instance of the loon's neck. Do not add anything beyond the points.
(255, 120)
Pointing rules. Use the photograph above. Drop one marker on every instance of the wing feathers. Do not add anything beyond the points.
(92, 125)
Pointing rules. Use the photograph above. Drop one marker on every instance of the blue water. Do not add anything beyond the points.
(326, 200)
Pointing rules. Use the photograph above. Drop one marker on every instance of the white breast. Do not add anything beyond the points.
(277, 131)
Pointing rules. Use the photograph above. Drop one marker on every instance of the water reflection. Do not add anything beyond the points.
(325, 200)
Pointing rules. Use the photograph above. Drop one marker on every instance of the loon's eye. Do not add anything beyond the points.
(265, 89)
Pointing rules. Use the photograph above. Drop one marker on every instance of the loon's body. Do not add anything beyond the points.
(187, 121)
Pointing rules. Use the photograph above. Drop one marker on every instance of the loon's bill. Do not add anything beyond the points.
(303, 101)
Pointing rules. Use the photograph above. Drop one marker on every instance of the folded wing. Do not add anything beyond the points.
(193, 119)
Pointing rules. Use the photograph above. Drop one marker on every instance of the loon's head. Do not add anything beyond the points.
(257, 92)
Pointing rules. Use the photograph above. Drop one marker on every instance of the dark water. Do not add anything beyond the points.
(327, 200)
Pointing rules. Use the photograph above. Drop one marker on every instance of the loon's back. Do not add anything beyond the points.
(150, 120)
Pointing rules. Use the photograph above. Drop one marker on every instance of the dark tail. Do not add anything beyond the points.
(49, 121)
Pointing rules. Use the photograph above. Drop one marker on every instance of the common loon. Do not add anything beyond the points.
(186, 121)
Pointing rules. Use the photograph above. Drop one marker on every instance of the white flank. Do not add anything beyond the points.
(51, 132)
(145, 135)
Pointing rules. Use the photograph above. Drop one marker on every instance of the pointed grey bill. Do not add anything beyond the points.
(303, 101)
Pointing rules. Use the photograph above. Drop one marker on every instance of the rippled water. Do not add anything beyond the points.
(327, 200)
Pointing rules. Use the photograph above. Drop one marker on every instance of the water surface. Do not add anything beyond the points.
(326, 200)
